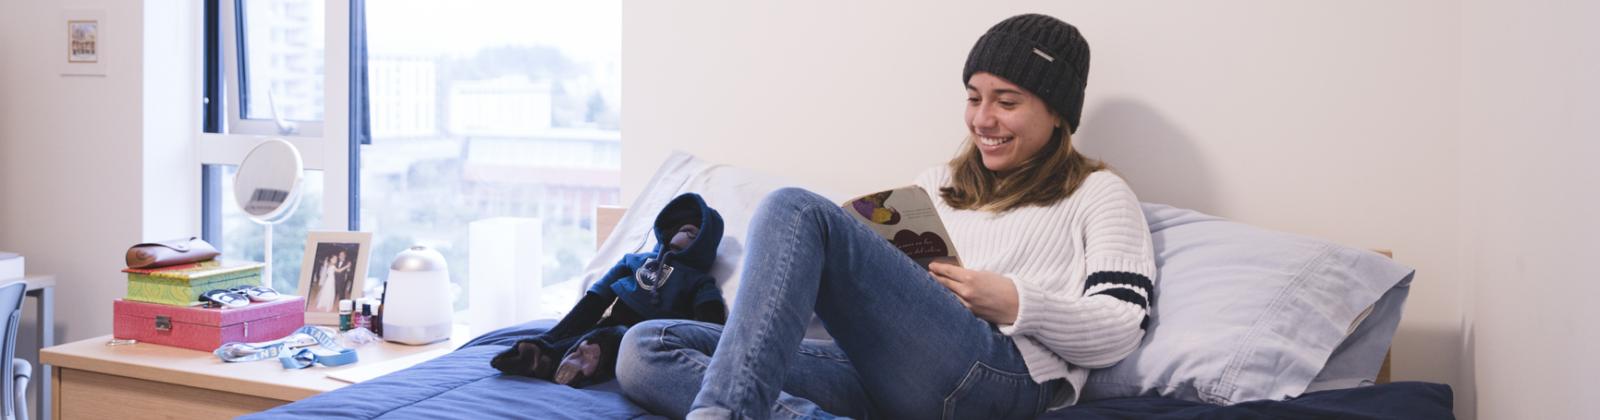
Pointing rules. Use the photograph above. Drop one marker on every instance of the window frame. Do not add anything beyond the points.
(234, 49)
(330, 151)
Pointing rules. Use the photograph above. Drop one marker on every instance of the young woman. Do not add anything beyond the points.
(1057, 278)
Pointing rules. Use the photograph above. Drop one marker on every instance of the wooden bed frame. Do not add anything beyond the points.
(607, 218)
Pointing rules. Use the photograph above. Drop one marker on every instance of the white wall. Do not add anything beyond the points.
(1335, 119)
(69, 161)
(1530, 91)
(70, 156)
(87, 162)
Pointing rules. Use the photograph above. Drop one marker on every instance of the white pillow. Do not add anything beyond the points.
(734, 192)
(1243, 313)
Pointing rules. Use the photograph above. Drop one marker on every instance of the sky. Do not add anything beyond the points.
(588, 30)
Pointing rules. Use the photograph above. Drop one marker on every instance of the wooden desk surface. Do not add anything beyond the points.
(264, 378)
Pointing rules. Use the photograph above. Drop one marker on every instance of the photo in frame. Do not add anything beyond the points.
(334, 268)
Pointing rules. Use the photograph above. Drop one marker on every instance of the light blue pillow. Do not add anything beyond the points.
(1359, 358)
(1243, 313)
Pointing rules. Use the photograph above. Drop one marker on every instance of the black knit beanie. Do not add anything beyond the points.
(1039, 53)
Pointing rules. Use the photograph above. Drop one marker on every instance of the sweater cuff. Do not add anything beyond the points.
(1029, 299)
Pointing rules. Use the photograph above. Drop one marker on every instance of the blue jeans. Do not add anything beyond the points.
(904, 346)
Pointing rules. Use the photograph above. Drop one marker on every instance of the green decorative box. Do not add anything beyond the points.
(183, 285)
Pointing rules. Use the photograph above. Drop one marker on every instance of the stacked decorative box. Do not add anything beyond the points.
(163, 306)
(182, 285)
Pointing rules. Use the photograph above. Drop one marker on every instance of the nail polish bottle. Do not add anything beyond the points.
(366, 314)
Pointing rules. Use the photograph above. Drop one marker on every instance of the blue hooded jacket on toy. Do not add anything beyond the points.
(688, 282)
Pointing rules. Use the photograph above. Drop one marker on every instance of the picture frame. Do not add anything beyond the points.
(334, 268)
(84, 42)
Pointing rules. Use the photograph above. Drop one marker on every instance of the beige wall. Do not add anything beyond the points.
(1335, 119)
(70, 156)
(92, 164)
(69, 161)
(1530, 91)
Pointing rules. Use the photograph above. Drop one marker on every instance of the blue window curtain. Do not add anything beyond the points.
(360, 113)
(211, 122)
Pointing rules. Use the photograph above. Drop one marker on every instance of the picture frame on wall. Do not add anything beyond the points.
(334, 268)
(84, 37)
(83, 41)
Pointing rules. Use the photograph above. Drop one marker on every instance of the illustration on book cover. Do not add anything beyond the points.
(905, 217)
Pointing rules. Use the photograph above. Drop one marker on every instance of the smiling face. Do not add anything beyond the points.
(1008, 124)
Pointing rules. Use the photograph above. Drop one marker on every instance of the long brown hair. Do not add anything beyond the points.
(1051, 175)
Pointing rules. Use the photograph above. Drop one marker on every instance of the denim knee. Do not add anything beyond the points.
(634, 352)
(790, 200)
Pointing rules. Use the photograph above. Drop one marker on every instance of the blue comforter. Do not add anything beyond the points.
(462, 385)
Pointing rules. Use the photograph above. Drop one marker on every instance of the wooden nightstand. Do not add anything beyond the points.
(96, 381)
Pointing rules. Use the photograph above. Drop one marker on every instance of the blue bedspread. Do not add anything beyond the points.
(462, 385)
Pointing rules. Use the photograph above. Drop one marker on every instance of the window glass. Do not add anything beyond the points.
(486, 110)
(283, 59)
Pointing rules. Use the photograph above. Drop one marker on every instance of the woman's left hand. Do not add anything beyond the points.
(990, 296)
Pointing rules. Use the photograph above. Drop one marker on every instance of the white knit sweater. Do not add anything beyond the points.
(1096, 237)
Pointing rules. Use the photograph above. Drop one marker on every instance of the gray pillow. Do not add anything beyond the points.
(1243, 313)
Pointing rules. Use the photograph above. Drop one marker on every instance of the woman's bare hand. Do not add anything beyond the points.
(990, 296)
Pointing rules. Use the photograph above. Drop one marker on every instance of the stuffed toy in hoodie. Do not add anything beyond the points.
(672, 281)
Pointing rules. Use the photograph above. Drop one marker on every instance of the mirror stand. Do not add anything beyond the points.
(267, 188)
(266, 272)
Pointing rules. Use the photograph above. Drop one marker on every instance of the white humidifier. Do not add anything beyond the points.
(416, 303)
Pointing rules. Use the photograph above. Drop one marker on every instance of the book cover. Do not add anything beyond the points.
(199, 270)
(906, 217)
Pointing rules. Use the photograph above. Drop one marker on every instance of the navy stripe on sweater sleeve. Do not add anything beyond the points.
(1119, 278)
(1126, 295)
(1123, 288)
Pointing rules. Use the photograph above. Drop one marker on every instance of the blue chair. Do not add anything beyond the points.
(15, 390)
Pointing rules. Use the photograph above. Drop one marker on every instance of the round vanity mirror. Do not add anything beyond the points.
(267, 188)
(267, 184)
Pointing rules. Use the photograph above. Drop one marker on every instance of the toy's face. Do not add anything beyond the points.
(684, 237)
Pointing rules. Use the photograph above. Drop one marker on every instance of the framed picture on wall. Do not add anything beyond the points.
(334, 269)
(83, 42)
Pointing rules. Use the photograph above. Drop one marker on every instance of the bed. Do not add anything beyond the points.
(461, 385)
(1339, 378)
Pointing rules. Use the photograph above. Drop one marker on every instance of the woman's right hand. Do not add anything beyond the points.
(990, 296)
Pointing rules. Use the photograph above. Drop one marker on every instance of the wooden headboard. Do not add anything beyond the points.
(1383, 372)
(607, 217)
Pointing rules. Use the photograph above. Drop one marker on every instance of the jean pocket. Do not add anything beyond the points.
(990, 393)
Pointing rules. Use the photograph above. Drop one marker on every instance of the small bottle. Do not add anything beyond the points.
(344, 314)
(366, 314)
(377, 318)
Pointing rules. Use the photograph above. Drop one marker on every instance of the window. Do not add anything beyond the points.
(278, 49)
(477, 110)
(498, 109)
(266, 77)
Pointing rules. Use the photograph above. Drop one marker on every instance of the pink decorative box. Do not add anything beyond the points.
(206, 329)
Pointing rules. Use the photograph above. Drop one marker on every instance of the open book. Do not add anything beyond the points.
(906, 217)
